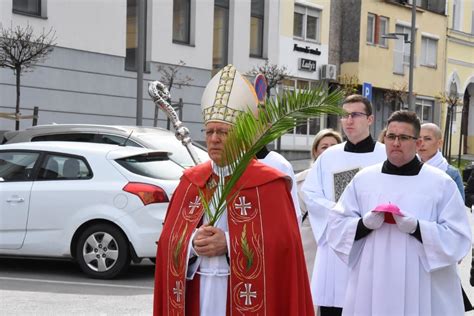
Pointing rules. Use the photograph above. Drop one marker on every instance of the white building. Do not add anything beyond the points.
(90, 77)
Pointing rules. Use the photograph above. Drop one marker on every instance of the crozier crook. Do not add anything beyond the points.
(160, 94)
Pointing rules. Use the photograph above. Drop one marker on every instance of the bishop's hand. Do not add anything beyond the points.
(210, 241)
(373, 220)
(406, 223)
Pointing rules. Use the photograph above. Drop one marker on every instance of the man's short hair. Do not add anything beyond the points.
(406, 117)
(354, 98)
(434, 128)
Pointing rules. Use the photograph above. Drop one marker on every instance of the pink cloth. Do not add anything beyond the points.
(388, 209)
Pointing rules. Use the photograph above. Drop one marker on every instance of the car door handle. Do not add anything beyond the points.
(16, 199)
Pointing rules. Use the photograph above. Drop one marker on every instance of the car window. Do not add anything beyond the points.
(72, 137)
(116, 140)
(17, 166)
(58, 167)
(153, 166)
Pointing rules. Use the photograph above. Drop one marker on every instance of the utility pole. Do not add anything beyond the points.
(140, 59)
(411, 98)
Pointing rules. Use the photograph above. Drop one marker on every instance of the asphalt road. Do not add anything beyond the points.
(55, 287)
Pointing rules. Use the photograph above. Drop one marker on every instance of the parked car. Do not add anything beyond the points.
(148, 137)
(101, 205)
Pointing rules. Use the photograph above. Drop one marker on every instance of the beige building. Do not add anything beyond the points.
(381, 65)
(459, 82)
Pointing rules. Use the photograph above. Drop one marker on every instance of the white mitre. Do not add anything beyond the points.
(226, 95)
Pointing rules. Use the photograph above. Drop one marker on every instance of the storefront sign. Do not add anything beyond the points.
(306, 49)
(306, 64)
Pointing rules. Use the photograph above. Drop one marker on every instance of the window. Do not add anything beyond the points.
(298, 24)
(457, 15)
(383, 30)
(429, 48)
(312, 126)
(257, 13)
(115, 140)
(424, 109)
(288, 85)
(72, 137)
(302, 85)
(87, 138)
(181, 21)
(16, 166)
(370, 28)
(221, 34)
(58, 167)
(156, 166)
(472, 19)
(401, 52)
(306, 23)
(377, 26)
(30, 7)
(132, 35)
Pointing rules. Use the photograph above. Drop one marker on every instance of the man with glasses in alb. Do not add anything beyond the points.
(401, 227)
(323, 186)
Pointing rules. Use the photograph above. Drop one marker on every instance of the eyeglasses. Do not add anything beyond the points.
(353, 115)
(401, 138)
(221, 133)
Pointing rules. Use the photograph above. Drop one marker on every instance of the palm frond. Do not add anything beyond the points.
(250, 134)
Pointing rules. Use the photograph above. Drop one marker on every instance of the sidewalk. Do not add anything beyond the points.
(468, 157)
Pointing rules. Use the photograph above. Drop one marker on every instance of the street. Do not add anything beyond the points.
(56, 287)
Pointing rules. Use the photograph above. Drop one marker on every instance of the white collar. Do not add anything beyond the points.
(438, 161)
(220, 171)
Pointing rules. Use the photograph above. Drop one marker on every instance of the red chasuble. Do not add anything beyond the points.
(268, 271)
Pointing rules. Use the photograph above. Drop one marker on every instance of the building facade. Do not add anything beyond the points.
(380, 65)
(91, 75)
(304, 50)
(459, 84)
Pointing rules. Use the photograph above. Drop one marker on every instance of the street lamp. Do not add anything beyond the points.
(411, 99)
(395, 36)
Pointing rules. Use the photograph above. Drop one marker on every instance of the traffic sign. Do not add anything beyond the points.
(260, 85)
(367, 90)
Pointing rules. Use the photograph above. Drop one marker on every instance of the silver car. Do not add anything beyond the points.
(147, 137)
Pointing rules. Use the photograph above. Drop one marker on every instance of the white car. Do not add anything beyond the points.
(101, 205)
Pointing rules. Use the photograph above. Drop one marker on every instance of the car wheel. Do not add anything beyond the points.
(102, 251)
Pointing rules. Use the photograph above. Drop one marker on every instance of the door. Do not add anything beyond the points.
(16, 169)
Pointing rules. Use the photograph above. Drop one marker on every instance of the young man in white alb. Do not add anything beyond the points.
(323, 186)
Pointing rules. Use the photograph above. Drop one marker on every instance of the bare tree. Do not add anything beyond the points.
(451, 100)
(348, 84)
(398, 95)
(170, 77)
(21, 50)
(273, 73)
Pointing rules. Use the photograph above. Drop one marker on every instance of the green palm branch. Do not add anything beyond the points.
(247, 251)
(250, 134)
(178, 247)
